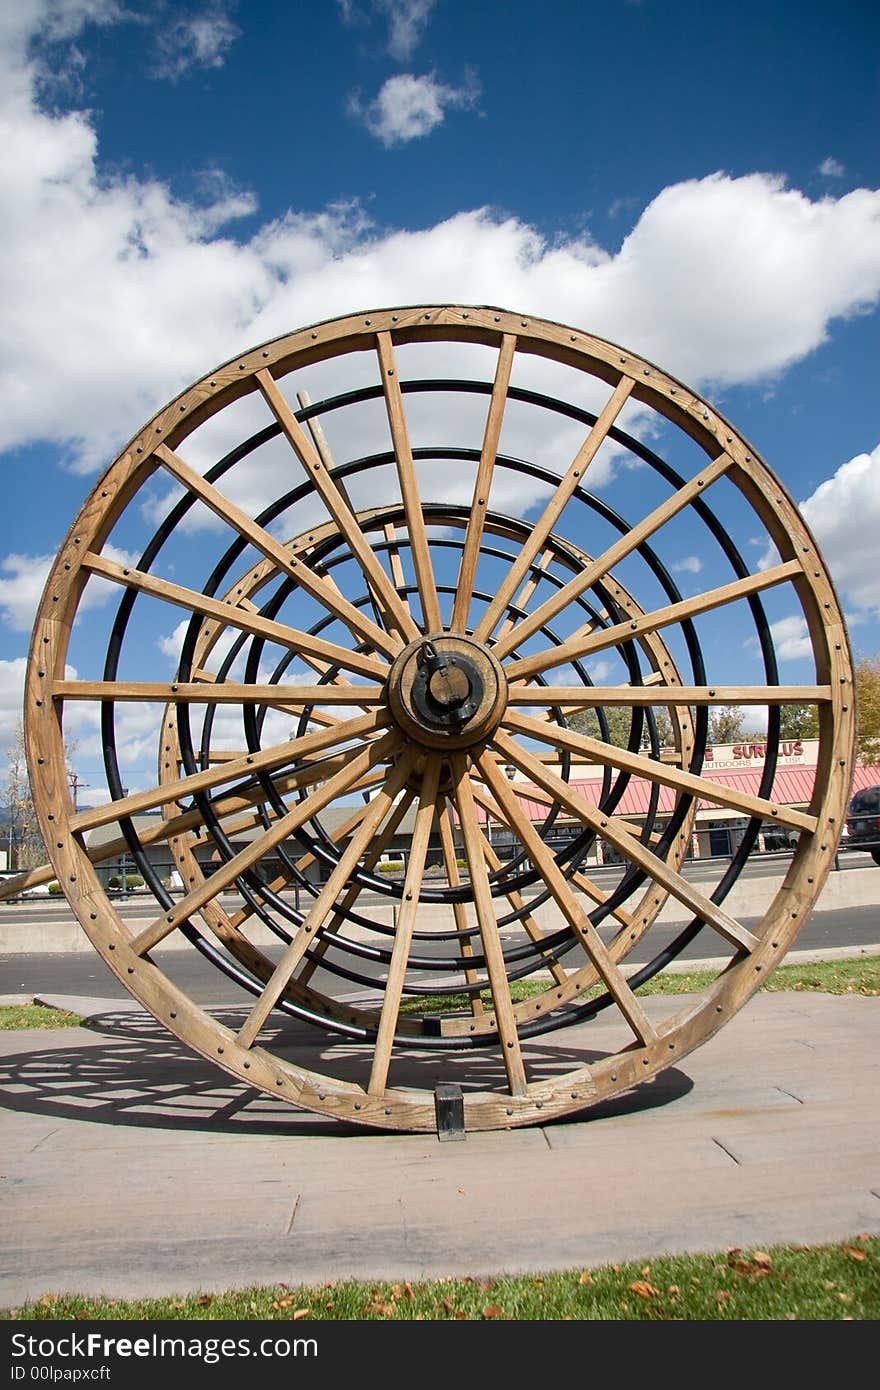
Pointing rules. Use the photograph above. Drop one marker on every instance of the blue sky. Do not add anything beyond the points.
(181, 181)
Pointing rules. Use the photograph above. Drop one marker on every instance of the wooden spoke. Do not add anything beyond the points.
(474, 533)
(580, 880)
(232, 615)
(305, 861)
(459, 911)
(341, 513)
(321, 589)
(517, 902)
(623, 840)
(228, 811)
(322, 448)
(377, 845)
(390, 533)
(409, 491)
(286, 825)
(245, 766)
(599, 696)
(650, 622)
(292, 697)
(553, 510)
(323, 905)
(498, 982)
(630, 541)
(525, 593)
(655, 771)
(405, 925)
(569, 906)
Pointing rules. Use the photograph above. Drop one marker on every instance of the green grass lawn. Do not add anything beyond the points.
(14, 1016)
(827, 1282)
(857, 976)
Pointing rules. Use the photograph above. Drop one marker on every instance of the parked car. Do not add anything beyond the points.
(863, 822)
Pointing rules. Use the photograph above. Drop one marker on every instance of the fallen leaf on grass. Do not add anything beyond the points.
(721, 1295)
(644, 1289)
(300, 1313)
(492, 1311)
(755, 1271)
(760, 1257)
(855, 1254)
(585, 1277)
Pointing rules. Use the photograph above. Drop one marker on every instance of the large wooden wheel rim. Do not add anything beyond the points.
(432, 629)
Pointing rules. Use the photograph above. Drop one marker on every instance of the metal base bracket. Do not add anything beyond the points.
(449, 1108)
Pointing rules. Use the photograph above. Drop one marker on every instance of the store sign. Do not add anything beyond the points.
(793, 752)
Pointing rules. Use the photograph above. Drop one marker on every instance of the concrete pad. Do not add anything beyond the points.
(132, 1167)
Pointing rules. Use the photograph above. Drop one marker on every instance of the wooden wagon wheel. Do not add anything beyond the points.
(374, 647)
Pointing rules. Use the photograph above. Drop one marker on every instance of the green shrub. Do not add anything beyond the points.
(390, 866)
(131, 881)
(55, 888)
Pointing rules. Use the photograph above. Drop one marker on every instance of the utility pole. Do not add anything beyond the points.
(75, 784)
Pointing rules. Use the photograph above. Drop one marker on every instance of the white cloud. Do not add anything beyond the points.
(12, 678)
(118, 295)
(688, 564)
(194, 41)
(24, 577)
(409, 107)
(832, 168)
(844, 515)
(720, 278)
(114, 295)
(791, 638)
(407, 20)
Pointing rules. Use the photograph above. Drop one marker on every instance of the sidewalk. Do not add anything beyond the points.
(132, 1167)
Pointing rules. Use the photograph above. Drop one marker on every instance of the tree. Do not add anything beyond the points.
(26, 849)
(620, 719)
(867, 678)
(798, 721)
(726, 724)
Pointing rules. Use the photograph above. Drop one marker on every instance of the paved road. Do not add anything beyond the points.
(84, 973)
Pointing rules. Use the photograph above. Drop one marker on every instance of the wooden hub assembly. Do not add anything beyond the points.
(447, 691)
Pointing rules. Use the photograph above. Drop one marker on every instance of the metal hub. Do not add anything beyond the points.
(447, 691)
